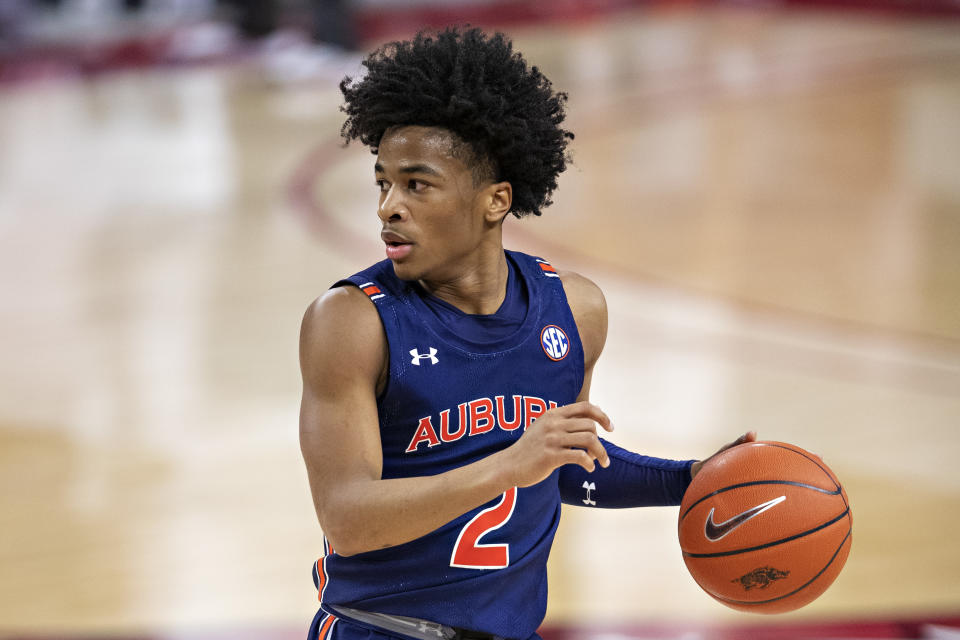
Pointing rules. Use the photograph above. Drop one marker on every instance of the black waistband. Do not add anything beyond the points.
(467, 634)
(413, 628)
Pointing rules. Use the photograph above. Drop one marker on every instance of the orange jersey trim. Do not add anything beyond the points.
(325, 628)
(323, 579)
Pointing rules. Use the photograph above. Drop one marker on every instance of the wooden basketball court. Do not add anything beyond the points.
(770, 200)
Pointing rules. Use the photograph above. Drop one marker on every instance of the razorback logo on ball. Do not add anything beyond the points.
(761, 578)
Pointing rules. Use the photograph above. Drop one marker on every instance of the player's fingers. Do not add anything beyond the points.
(586, 441)
(591, 444)
(586, 409)
(749, 436)
(574, 425)
(580, 457)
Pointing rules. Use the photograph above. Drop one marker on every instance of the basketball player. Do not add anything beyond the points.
(445, 411)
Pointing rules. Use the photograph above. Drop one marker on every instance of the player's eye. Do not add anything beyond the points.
(382, 185)
(416, 185)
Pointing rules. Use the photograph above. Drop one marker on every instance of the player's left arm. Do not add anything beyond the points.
(631, 480)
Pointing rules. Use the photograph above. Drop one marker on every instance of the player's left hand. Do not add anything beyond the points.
(749, 436)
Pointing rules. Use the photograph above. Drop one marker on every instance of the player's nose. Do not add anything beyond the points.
(392, 206)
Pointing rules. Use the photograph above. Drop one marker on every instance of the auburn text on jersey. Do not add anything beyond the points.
(477, 417)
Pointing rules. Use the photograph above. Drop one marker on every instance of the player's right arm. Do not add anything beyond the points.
(344, 360)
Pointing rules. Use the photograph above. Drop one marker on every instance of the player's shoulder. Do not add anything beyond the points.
(584, 296)
(336, 306)
(341, 325)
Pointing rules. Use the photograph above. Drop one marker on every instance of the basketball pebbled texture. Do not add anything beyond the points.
(765, 527)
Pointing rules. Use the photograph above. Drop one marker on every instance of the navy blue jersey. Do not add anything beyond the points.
(449, 402)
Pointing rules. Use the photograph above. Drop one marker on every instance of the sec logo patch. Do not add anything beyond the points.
(554, 342)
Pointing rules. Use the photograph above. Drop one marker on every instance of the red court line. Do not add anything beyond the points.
(313, 214)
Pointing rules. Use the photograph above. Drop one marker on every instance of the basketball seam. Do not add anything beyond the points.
(761, 482)
(795, 591)
(720, 554)
(820, 464)
(804, 454)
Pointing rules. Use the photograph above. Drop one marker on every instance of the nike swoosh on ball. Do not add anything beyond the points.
(715, 531)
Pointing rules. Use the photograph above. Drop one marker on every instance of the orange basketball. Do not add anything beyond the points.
(765, 527)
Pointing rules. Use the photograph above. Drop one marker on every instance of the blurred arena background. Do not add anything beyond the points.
(768, 192)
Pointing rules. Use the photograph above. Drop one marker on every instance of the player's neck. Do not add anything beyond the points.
(479, 287)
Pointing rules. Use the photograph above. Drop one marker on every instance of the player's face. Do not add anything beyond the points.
(432, 213)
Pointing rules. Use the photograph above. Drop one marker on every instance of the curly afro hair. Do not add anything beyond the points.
(479, 89)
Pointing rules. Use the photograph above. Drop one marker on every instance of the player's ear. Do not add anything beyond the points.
(498, 198)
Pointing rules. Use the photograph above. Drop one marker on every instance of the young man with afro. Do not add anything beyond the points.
(445, 413)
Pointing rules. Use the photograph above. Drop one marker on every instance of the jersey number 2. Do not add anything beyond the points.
(468, 553)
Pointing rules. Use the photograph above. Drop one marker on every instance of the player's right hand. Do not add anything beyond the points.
(565, 435)
(749, 436)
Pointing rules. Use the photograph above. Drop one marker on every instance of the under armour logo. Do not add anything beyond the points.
(589, 486)
(417, 356)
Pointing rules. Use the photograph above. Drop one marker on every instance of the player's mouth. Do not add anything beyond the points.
(398, 247)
